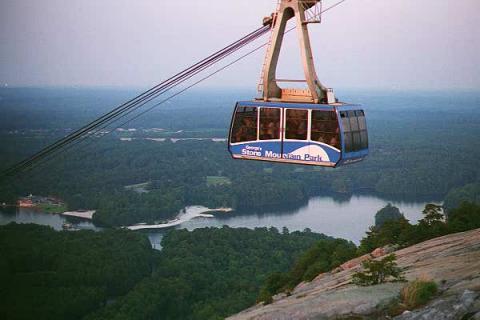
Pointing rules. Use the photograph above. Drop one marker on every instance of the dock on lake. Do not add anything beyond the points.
(87, 214)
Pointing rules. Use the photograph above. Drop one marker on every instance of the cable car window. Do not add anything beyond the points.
(345, 121)
(269, 123)
(364, 138)
(353, 121)
(325, 128)
(244, 125)
(296, 124)
(355, 130)
(348, 142)
(362, 125)
(357, 145)
(320, 115)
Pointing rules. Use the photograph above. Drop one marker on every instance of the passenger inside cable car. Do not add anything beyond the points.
(245, 125)
(325, 128)
(269, 124)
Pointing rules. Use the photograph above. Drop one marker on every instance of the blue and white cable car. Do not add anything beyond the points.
(302, 126)
(314, 134)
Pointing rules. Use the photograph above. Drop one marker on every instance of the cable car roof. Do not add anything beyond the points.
(338, 105)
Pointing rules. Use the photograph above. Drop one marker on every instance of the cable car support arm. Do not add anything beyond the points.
(315, 91)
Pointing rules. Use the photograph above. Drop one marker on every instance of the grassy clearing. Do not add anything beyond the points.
(139, 187)
(217, 181)
(52, 208)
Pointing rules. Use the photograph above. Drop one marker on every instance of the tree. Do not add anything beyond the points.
(432, 225)
(465, 217)
(376, 272)
(433, 214)
(388, 213)
(455, 197)
(390, 233)
(323, 256)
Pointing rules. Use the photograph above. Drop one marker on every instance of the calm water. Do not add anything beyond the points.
(28, 215)
(347, 219)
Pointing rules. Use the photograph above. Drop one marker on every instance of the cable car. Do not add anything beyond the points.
(324, 135)
(291, 125)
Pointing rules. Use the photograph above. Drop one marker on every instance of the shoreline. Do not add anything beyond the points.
(191, 212)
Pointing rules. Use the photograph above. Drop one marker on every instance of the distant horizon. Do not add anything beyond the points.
(222, 88)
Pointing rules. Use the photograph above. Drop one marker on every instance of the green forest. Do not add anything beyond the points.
(113, 274)
(46, 274)
(415, 151)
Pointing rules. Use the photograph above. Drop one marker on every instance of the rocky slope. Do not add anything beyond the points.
(452, 261)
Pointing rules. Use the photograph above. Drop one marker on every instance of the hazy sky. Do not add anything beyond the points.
(403, 44)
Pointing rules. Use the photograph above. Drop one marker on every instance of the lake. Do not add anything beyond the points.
(347, 218)
(30, 215)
